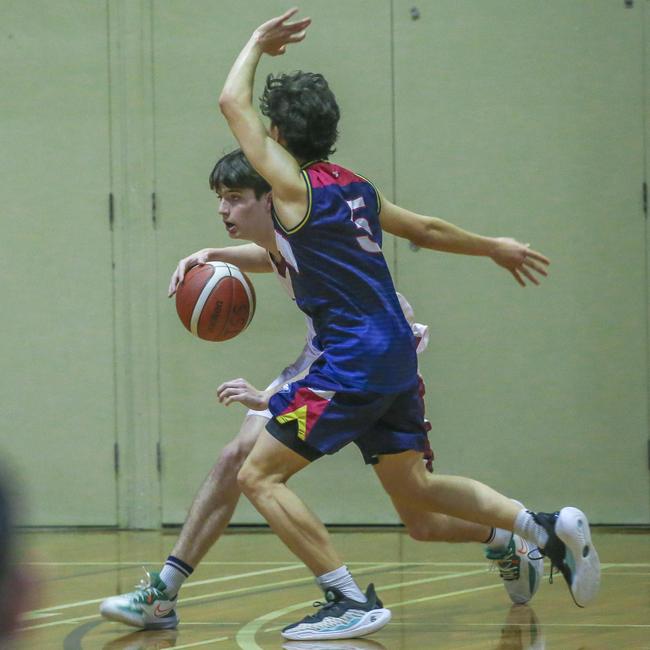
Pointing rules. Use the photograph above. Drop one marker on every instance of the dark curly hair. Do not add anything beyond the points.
(304, 109)
(234, 171)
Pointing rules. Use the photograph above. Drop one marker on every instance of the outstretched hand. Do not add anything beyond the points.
(274, 35)
(239, 390)
(520, 260)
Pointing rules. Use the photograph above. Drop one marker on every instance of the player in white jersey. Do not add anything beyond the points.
(245, 210)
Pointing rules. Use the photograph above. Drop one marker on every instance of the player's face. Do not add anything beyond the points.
(244, 215)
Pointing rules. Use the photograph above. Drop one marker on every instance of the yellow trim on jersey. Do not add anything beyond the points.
(300, 415)
(376, 191)
(304, 220)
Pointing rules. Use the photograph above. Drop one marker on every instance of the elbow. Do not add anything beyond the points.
(226, 103)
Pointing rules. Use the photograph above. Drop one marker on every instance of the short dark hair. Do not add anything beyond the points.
(234, 170)
(304, 109)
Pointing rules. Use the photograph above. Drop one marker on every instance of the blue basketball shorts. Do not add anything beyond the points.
(314, 422)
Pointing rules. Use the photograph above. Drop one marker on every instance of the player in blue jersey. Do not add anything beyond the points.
(323, 216)
(245, 208)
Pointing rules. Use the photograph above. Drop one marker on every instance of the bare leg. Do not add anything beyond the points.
(434, 527)
(263, 480)
(407, 482)
(214, 503)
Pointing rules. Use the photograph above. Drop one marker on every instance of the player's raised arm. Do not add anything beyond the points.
(429, 232)
(250, 258)
(268, 157)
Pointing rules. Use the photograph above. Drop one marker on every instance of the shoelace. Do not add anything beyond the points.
(541, 555)
(507, 566)
(144, 589)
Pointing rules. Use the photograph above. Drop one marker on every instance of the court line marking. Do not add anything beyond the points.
(195, 645)
(249, 574)
(245, 637)
(241, 590)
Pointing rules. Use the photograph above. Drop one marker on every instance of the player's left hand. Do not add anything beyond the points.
(275, 34)
(239, 390)
(520, 260)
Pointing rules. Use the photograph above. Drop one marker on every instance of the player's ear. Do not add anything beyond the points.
(268, 201)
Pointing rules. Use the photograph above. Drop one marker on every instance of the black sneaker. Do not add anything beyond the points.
(570, 550)
(340, 618)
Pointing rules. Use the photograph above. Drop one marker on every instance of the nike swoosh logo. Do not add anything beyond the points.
(523, 549)
(161, 612)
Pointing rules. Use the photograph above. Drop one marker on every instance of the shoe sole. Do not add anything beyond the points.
(572, 527)
(168, 623)
(371, 622)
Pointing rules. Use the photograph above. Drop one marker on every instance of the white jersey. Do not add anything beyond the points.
(310, 352)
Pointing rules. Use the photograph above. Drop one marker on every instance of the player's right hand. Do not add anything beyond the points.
(200, 257)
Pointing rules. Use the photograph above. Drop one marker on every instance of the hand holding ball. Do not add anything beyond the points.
(215, 301)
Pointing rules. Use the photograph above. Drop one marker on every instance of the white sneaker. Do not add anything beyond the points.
(148, 607)
(572, 552)
(520, 573)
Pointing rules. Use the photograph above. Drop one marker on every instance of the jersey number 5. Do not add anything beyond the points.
(365, 241)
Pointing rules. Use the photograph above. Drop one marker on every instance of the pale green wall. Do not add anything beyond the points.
(506, 117)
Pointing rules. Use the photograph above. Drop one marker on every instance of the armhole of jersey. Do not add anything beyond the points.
(376, 192)
(304, 220)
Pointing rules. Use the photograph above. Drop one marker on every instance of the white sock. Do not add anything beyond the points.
(499, 540)
(174, 573)
(525, 526)
(344, 582)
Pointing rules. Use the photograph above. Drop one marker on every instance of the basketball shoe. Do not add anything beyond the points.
(148, 607)
(520, 567)
(570, 550)
(340, 617)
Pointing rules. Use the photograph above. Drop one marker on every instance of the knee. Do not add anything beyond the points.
(231, 459)
(249, 480)
(418, 531)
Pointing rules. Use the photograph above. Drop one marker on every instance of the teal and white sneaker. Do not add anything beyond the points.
(340, 618)
(148, 607)
(521, 573)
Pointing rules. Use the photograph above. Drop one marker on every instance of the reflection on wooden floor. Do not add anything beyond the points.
(441, 595)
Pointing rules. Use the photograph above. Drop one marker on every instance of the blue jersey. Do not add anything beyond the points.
(341, 281)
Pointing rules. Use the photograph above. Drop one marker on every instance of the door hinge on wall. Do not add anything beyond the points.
(154, 216)
(116, 458)
(645, 199)
(158, 458)
(111, 210)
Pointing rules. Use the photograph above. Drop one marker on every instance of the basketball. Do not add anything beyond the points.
(215, 301)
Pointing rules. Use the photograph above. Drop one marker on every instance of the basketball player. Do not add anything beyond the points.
(364, 385)
(245, 207)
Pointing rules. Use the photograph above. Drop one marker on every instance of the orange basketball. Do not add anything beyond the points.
(215, 301)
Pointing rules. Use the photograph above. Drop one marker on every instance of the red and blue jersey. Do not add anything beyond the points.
(342, 283)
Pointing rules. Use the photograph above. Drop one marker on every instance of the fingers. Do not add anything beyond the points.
(538, 256)
(536, 267)
(528, 274)
(232, 390)
(517, 277)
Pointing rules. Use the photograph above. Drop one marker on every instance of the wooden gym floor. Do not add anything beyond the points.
(442, 596)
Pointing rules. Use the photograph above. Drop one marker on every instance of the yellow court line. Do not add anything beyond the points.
(94, 601)
(242, 590)
(195, 645)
